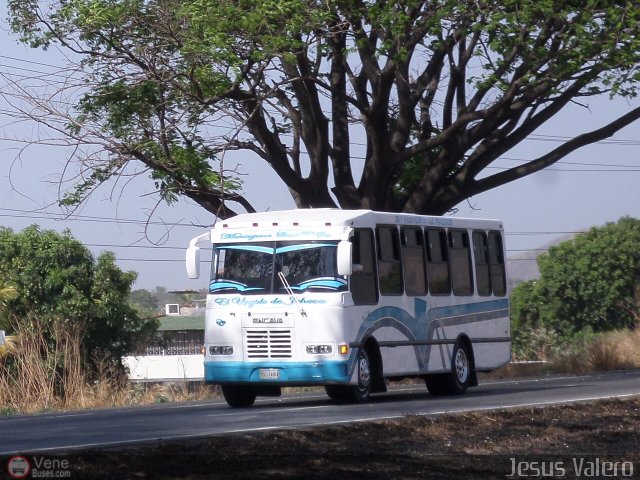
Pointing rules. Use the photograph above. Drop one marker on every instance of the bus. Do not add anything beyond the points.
(350, 300)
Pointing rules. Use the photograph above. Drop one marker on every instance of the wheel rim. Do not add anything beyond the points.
(364, 374)
(462, 366)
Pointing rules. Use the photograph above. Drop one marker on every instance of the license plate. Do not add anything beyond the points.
(269, 373)
(267, 319)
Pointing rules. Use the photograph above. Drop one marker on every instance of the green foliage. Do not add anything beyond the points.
(588, 284)
(175, 85)
(144, 302)
(57, 280)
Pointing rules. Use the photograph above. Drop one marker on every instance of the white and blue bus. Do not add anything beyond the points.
(348, 299)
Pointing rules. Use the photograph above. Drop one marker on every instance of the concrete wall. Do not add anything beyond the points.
(165, 367)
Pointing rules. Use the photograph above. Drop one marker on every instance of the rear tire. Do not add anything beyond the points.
(238, 396)
(459, 379)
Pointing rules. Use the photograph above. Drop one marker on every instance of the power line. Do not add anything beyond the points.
(90, 218)
(31, 62)
(40, 73)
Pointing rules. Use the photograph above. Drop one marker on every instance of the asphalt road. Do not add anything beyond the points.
(58, 432)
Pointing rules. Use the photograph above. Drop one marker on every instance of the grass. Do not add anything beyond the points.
(614, 351)
(609, 351)
(40, 374)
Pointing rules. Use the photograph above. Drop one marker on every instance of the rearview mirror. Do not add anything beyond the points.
(193, 261)
(345, 267)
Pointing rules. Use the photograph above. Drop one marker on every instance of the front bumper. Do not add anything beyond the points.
(289, 373)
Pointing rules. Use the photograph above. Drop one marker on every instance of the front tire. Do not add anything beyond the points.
(362, 391)
(238, 396)
(354, 393)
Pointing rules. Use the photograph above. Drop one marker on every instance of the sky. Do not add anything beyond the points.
(590, 187)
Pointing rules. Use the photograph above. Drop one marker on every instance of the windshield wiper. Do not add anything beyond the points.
(294, 296)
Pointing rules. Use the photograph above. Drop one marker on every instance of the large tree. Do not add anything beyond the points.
(437, 91)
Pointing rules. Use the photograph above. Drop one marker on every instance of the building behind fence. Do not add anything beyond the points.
(176, 352)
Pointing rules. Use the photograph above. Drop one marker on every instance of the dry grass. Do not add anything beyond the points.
(36, 374)
(617, 350)
(42, 372)
(614, 351)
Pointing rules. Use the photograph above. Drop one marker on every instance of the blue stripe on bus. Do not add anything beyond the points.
(249, 248)
(305, 246)
(421, 325)
(226, 285)
(289, 372)
(327, 282)
(271, 250)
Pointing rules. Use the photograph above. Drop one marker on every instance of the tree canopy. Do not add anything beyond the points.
(591, 282)
(437, 91)
(56, 279)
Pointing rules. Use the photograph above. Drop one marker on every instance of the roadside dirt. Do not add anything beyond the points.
(576, 441)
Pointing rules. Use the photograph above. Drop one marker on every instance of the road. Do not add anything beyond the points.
(59, 432)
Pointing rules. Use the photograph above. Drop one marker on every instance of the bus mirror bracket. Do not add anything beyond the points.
(345, 267)
(193, 256)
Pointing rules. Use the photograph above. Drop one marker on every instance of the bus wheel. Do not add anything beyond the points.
(354, 393)
(238, 396)
(362, 391)
(458, 380)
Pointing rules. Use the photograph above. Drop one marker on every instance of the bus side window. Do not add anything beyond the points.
(496, 260)
(459, 251)
(413, 261)
(389, 264)
(481, 260)
(438, 262)
(364, 288)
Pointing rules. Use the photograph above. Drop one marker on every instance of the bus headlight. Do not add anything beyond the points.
(319, 349)
(220, 350)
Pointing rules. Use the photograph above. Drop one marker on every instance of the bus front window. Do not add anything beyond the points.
(249, 269)
(246, 269)
(309, 266)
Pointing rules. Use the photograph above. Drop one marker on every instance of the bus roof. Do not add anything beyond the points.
(319, 217)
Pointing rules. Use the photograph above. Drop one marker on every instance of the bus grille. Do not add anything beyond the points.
(268, 343)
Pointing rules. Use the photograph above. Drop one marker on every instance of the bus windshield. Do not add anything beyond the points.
(252, 268)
